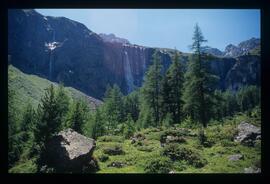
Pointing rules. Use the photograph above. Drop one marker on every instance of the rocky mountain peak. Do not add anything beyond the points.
(213, 51)
(243, 48)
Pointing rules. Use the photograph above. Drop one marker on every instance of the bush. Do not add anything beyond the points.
(114, 150)
(216, 134)
(103, 158)
(227, 143)
(145, 148)
(112, 138)
(143, 145)
(203, 139)
(178, 152)
(175, 133)
(25, 167)
(158, 165)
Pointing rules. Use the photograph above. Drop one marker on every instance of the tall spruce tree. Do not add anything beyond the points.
(172, 90)
(131, 103)
(50, 118)
(63, 104)
(151, 90)
(114, 107)
(79, 116)
(98, 124)
(199, 83)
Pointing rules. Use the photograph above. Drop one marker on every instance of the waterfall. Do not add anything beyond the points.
(142, 53)
(51, 46)
(50, 66)
(128, 73)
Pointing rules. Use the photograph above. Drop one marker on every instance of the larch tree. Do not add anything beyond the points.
(199, 83)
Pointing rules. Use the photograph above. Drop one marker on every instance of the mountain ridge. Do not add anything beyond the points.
(243, 48)
(63, 50)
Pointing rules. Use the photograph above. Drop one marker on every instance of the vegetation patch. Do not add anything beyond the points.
(158, 165)
(179, 152)
(115, 149)
(112, 138)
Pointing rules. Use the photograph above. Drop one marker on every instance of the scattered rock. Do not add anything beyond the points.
(235, 157)
(70, 151)
(252, 170)
(116, 164)
(137, 137)
(175, 139)
(247, 134)
(171, 172)
(173, 136)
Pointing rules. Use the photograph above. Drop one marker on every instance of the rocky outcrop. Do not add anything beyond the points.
(235, 157)
(245, 71)
(243, 48)
(247, 134)
(116, 164)
(252, 170)
(70, 151)
(213, 51)
(113, 39)
(137, 138)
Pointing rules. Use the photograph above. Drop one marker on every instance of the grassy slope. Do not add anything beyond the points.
(30, 89)
(216, 155)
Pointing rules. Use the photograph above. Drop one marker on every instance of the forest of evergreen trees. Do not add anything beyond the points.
(163, 100)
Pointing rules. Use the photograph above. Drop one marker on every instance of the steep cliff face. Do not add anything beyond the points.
(63, 50)
(129, 63)
(246, 71)
(58, 49)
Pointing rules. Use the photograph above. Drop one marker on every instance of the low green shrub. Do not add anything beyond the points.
(203, 139)
(227, 143)
(103, 158)
(145, 148)
(143, 145)
(111, 138)
(25, 167)
(158, 165)
(114, 150)
(175, 133)
(216, 134)
(179, 152)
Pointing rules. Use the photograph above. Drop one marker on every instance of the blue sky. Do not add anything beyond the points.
(168, 28)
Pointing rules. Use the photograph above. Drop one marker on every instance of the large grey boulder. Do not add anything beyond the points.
(247, 134)
(70, 151)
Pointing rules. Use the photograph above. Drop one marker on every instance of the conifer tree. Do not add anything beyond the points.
(98, 125)
(199, 83)
(79, 116)
(131, 103)
(49, 123)
(172, 90)
(151, 89)
(114, 107)
(63, 104)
